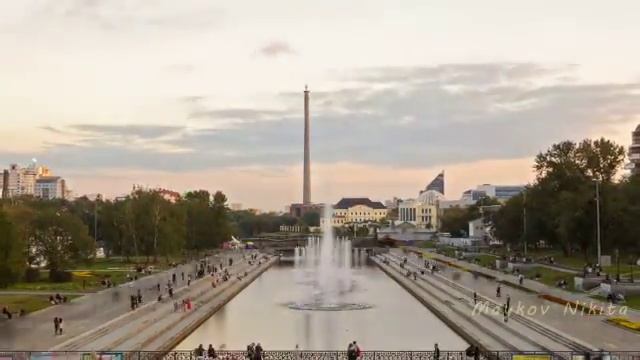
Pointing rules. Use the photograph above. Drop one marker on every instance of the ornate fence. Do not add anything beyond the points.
(318, 355)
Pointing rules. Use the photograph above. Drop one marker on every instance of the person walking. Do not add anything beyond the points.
(436, 352)
(475, 298)
(60, 327)
(508, 302)
(56, 325)
(505, 312)
(498, 291)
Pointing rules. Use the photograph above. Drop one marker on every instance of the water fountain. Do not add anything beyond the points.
(325, 263)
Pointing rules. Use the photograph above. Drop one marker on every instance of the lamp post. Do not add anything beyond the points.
(617, 265)
(524, 222)
(598, 222)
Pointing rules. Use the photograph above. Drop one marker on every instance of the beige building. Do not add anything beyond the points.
(422, 211)
(356, 210)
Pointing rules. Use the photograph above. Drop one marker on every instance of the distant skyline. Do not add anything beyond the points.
(200, 94)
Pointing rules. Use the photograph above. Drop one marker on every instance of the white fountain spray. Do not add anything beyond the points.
(326, 261)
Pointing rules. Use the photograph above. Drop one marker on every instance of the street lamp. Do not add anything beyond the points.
(524, 222)
(598, 222)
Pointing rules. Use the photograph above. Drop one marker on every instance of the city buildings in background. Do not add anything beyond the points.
(169, 195)
(469, 197)
(32, 180)
(634, 152)
(355, 211)
(421, 211)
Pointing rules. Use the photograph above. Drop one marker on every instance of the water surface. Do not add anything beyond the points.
(397, 321)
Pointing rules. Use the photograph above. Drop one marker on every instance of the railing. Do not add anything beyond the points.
(319, 355)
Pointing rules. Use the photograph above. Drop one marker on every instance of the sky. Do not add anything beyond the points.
(206, 94)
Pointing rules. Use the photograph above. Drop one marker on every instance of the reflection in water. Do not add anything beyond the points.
(396, 321)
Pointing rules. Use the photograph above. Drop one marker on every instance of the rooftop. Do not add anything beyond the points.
(346, 203)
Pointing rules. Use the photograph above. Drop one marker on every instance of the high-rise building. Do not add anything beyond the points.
(32, 180)
(5, 184)
(634, 152)
(437, 184)
(50, 187)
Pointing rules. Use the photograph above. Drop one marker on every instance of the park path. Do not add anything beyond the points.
(35, 331)
(591, 329)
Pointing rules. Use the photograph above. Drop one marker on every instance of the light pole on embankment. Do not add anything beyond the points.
(598, 222)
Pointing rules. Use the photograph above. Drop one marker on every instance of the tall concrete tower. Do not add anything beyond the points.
(306, 186)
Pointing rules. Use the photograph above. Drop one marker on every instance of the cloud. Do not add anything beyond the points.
(127, 15)
(398, 117)
(275, 49)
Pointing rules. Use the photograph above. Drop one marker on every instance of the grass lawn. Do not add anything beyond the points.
(487, 261)
(29, 303)
(632, 301)
(550, 277)
(82, 281)
(427, 245)
(120, 263)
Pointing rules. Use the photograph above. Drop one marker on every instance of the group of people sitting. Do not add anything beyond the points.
(9, 315)
(57, 299)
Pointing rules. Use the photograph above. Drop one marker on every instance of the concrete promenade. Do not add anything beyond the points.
(81, 315)
(484, 329)
(590, 329)
(159, 327)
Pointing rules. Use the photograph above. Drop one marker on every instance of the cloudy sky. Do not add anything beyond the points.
(208, 94)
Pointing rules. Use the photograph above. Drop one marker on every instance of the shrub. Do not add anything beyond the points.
(60, 276)
(32, 275)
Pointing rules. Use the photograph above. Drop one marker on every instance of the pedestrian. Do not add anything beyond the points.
(251, 351)
(158, 287)
(436, 352)
(475, 298)
(508, 302)
(182, 276)
(211, 352)
(498, 291)
(476, 353)
(258, 352)
(56, 325)
(60, 327)
(175, 306)
(358, 351)
(351, 351)
(505, 312)
(199, 351)
(520, 279)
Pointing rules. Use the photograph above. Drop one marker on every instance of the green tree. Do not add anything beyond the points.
(311, 218)
(60, 238)
(221, 231)
(13, 258)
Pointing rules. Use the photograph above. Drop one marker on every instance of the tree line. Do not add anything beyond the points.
(57, 234)
(559, 208)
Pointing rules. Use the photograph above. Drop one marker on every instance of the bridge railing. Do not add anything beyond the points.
(318, 355)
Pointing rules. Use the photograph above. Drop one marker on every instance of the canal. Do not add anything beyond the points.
(395, 320)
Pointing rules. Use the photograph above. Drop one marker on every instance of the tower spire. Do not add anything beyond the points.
(306, 186)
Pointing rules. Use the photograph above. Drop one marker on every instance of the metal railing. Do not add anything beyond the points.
(318, 355)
